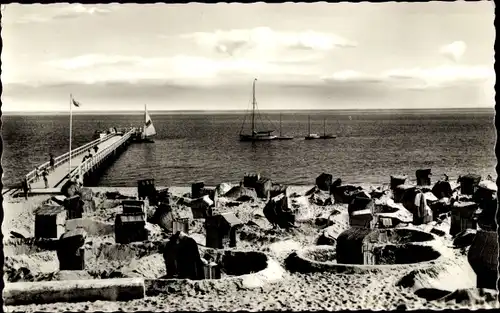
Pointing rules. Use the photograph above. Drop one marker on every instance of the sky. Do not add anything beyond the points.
(205, 57)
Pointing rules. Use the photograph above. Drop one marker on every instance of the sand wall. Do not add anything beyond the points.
(272, 272)
(124, 289)
(321, 259)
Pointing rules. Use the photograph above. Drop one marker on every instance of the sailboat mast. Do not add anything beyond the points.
(145, 117)
(253, 106)
(324, 126)
(280, 124)
(309, 124)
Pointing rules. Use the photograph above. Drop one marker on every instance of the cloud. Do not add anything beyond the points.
(92, 68)
(51, 12)
(443, 75)
(95, 60)
(454, 51)
(351, 76)
(417, 78)
(266, 40)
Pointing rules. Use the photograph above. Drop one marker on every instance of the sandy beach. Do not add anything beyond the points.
(296, 291)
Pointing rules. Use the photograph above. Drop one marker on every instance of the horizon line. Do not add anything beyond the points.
(242, 110)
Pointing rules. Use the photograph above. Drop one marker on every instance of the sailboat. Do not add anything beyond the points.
(325, 135)
(310, 136)
(262, 135)
(148, 130)
(316, 136)
(281, 137)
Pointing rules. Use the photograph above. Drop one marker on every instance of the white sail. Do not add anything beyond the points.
(149, 128)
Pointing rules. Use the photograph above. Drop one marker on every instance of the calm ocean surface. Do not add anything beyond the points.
(191, 147)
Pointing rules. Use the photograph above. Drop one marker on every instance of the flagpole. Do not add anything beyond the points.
(70, 131)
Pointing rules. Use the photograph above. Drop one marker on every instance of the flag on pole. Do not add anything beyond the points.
(75, 103)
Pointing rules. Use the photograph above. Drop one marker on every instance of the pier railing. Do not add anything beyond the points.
(99, 156)
(32, 176)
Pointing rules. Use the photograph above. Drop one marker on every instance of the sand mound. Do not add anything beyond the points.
(256, 234)
(125, 252)
(407, 235)
(304, 210)
(18, 214)
(331, 233)
(272, 273)
(321, 255)
(383, 258)
(107, 215)
(471, 297)
(236, 263)
(283, 248)
(307, 259)
(26, 267)
(105, 259)
(239, 191)
(92, 227)
(151, 266)
(64, 275)
(404, 254)
(28, 246)
(447, 276)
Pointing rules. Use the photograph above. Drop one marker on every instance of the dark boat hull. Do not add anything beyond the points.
(257, 138)
(285, 138)
(312, 137)
(139, 139)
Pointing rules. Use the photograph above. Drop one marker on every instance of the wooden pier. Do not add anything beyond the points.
(109, 146)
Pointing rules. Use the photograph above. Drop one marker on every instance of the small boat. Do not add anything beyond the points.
(310, 136)
(261, 135)
(316, 136)
(145, 133)
(325, 135)
(149, 129)
(281, 137)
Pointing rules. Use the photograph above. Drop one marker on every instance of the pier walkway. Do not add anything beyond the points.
(108, 146)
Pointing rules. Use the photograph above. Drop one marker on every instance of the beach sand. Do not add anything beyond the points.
(317, 291)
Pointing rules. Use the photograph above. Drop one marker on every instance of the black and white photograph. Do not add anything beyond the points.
(249, 156)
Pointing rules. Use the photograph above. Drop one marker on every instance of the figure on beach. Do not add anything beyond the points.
(51, 162)
(45, 179)
(182, 258)
(78, 181)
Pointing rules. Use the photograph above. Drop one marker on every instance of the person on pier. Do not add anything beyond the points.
(45, 179)
(95, 149)
(52, 161)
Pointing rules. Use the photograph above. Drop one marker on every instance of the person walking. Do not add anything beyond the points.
(45, 179)
(95, 149)
(52, 161)
(26, 187)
